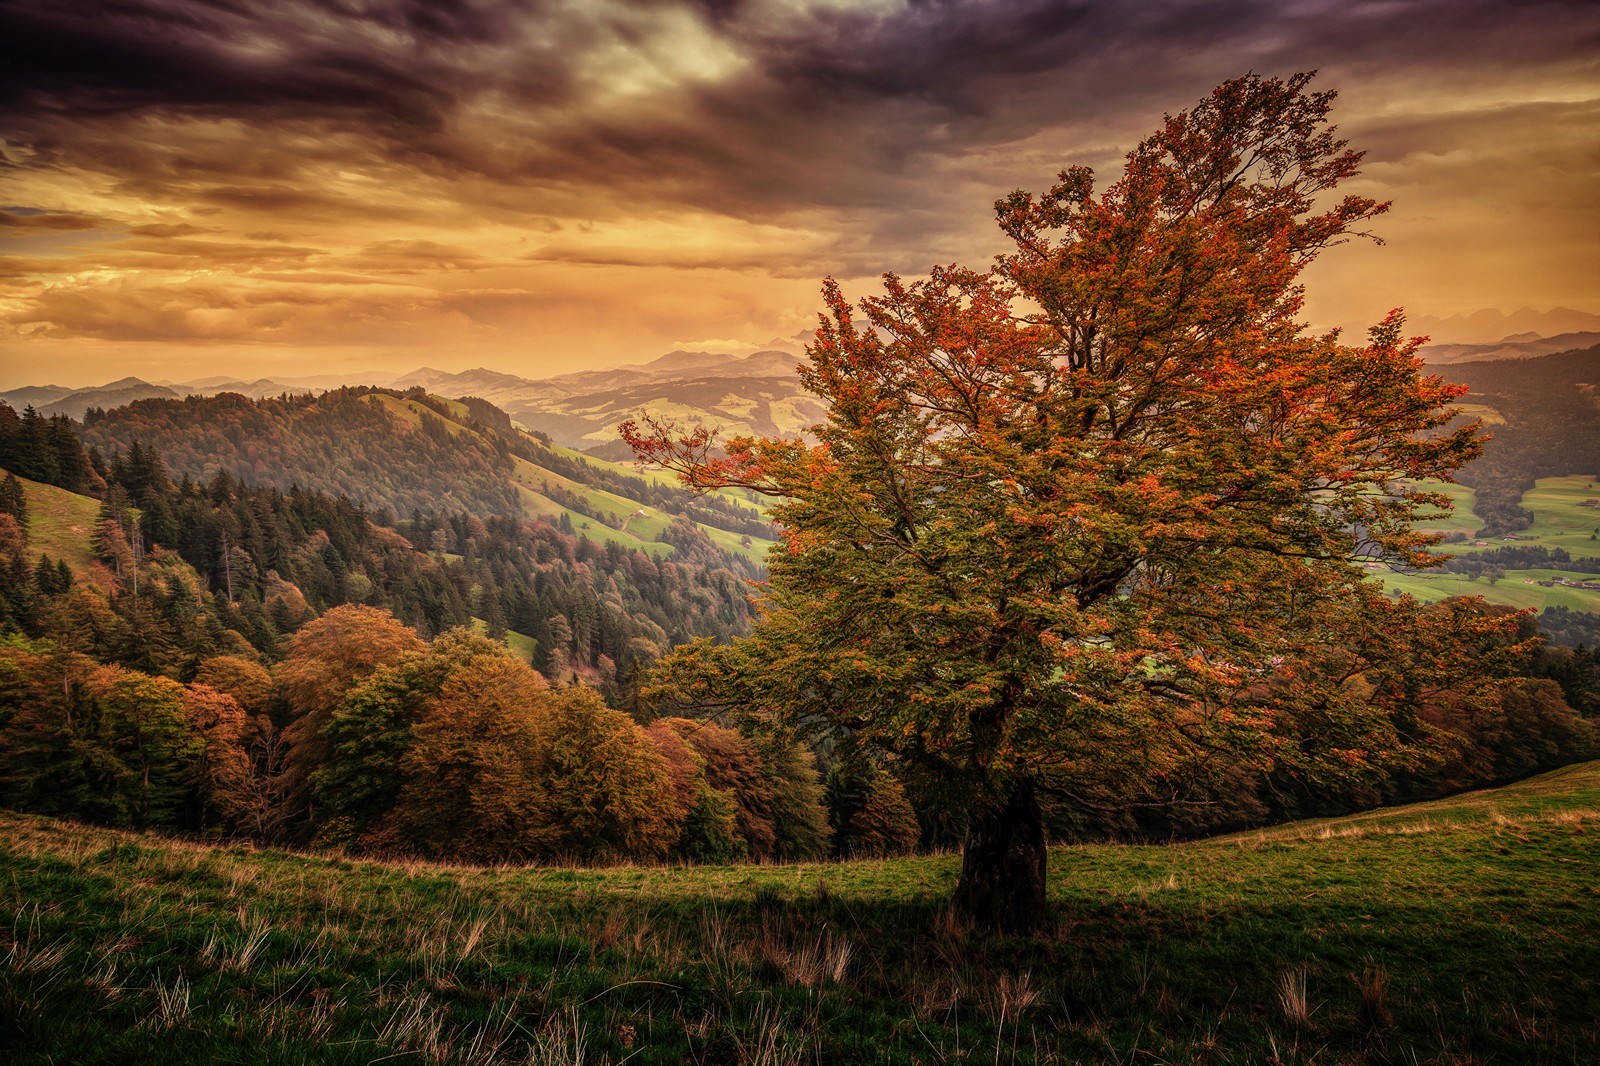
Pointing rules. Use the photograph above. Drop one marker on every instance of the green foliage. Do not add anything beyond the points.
(13, 501)
(799, 818)
(368, 735)
(327, 658)
(100, 743)
(609, 791)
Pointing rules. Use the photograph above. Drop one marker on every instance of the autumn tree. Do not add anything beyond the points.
(609, 792)
(1109, 499)
(710, 828)
(733, 769)
(328, 657)
(223, 777)
(472, 784)
(369, 733)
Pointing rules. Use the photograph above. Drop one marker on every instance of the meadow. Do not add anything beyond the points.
(60, 523)
(1560, 520)
(1465, 930)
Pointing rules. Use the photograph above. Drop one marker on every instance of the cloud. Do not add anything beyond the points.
(216, 151)
(46, 220)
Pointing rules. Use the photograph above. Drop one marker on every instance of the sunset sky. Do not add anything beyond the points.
(293, 187)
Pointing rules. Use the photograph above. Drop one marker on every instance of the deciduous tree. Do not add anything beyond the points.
(1109, 499)
(472, 783)
(327, 658)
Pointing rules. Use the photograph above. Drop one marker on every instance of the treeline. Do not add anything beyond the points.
(1520, 557)
(1543, 715)
(1575, 629)
(47, 450)
(1551, 428)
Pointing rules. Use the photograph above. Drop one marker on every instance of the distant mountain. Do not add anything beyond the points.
(114, 394)
(1495, 326)
(771, 405)
(756, 393)
(36, 395)
(1516, 346)
(678, 363)
(466, 383)
(681, 364)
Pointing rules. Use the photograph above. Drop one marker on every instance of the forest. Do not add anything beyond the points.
(223, 665)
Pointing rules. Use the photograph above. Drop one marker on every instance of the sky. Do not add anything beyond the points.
(258, 188)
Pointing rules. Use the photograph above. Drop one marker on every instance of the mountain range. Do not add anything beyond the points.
(758, 393)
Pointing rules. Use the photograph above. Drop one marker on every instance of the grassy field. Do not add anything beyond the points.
(1460, 518)
(520, 644)
(1560, 521)
(1513, 590)
(1463, 931)
(60, 523)
(640, 532)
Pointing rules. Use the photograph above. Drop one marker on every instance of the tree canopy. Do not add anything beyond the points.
(1106, 504)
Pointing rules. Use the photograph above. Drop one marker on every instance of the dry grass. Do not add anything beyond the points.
(1293, 1002)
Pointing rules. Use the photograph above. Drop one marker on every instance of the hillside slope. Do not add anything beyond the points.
(60, 523)
(399, 453)
(1464, 930)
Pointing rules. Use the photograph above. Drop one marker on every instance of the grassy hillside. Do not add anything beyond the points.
(60, 523)
(1466, 930)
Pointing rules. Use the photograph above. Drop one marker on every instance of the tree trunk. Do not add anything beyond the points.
(1002, 884)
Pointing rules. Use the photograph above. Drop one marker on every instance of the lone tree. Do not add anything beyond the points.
(1103, 508)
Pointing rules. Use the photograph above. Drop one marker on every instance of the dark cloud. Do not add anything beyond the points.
(27, 219)
(833, 107)
(300, 146)
(208, 59)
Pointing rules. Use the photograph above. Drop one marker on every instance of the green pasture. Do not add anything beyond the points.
(60, 523)
(1516, 589)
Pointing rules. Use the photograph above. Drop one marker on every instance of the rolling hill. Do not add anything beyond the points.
(758, 393)
(403, 452)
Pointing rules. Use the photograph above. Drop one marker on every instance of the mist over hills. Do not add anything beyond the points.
(1516, 346)
(1491, 325)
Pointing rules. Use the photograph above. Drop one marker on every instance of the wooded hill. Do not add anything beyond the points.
(240, 566)
(1544, 417)
(413, 455)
